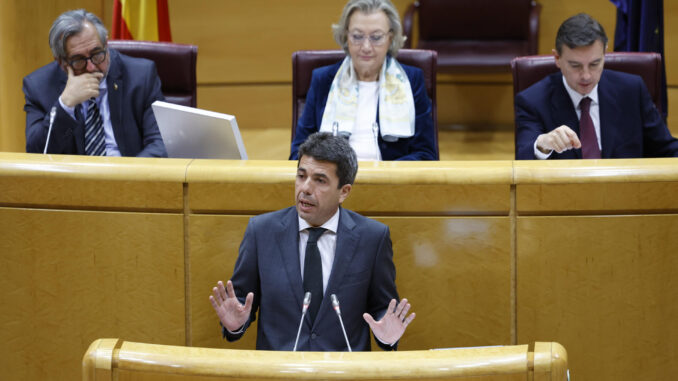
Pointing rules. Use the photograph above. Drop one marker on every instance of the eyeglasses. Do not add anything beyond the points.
(81, 63)
(376, 39)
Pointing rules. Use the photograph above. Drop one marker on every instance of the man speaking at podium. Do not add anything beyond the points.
(91, 100)
(320, 248)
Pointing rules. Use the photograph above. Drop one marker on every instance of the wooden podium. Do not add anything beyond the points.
(115, 359)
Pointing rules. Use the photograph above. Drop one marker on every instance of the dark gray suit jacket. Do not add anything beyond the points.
(363, 278)
(133, 85)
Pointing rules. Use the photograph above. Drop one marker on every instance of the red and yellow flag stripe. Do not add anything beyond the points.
(141, 20)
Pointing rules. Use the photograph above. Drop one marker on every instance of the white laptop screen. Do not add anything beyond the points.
(198, 134)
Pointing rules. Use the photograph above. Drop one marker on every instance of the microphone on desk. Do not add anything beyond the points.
(304, 308)
(52, 115)
(335, 305)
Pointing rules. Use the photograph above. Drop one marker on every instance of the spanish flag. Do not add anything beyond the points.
(146, 20)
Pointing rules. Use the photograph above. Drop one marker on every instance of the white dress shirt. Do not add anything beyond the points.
(327, 244)
(363, 139)
(594, 112)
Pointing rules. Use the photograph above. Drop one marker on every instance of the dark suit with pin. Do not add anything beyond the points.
(133, 85)
(362, 277)
(630, 125)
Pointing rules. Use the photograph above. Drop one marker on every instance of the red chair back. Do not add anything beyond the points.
(176, 65)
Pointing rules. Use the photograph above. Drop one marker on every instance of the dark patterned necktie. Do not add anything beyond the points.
(587, 133)
(95, 140)
(313, 271)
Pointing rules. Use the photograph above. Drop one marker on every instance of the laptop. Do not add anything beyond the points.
(198, 134)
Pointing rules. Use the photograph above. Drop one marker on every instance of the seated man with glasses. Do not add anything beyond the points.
(378, 104)
(91, 100)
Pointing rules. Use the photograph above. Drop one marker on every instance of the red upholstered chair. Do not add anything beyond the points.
(475, 35)
(304, 61)
(528, 70)
(176, 64)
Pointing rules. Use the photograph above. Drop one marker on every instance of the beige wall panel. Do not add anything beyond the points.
(475, 103)
(213, 243)
(454, 271)
(603, 287)
(253, 41)
(70, 277)
(255, 106)
(554, 12)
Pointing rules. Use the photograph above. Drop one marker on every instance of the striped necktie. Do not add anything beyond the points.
(95, 140)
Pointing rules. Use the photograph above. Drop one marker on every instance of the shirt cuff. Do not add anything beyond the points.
(237, 332)
(540, 155)
(379, 340)
(69, 110)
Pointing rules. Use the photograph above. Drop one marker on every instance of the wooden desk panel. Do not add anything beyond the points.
(455, 271)
(213, 243)
(69, 277)
(596, 186)
(73, 182)
(604, 287)
(413, 188)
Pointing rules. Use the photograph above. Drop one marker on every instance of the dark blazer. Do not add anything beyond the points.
(363, 278)
(630, 125)
(421, 146)
(133, 85)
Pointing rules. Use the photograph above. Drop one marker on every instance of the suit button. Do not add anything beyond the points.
(313, 336)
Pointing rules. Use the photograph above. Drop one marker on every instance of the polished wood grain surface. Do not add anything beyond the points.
(68, 277)
(67, 181)
(604, 287)
(140, 361)
(594, 171)
(446, 188)
(456, 274)
(213, 243)
(596, 186)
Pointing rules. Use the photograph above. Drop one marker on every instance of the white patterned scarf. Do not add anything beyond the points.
(396, 102)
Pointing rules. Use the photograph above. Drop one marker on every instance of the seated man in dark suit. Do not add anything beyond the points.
(585, 111)
(316, 247)
(97, 101)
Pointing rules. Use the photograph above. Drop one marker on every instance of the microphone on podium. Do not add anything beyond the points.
(304, 308)
(52, 114)
(335, 304)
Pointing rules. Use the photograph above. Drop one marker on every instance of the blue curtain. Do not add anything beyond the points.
(640, 28)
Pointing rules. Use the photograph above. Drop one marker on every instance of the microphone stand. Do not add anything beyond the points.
(335, 304)
(307, 302)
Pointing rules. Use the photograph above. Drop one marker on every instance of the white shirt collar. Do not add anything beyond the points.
(576, 97)
(332, 224)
